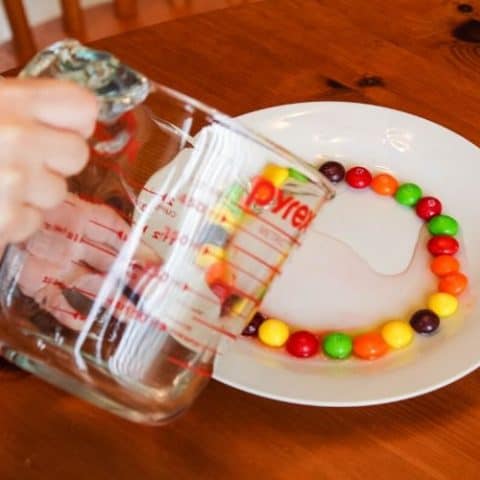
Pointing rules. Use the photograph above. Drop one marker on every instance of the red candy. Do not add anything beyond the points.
(302, 344)
(442, 245)
(428, 207)
(358, 177)
(221, 291)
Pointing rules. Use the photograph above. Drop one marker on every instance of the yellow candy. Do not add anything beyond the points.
(209, 254)
(273, 332)
(397, 334)
(226, 218)
(443, 304)
(239, 306)
(275, 174)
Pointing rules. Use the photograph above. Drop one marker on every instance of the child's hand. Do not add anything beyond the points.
(44, 125)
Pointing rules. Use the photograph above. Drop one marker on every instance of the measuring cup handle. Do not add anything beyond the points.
(118, 87)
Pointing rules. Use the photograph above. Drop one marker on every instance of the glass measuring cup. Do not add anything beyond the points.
(167, 241)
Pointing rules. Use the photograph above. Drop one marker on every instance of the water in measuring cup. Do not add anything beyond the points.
(161, 329)
(119, 294)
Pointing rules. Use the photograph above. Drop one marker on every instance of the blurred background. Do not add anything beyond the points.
(29, 25)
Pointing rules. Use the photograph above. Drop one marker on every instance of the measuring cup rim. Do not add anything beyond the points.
(239, 127)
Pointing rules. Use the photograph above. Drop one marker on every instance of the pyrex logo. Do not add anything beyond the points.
(264, 193)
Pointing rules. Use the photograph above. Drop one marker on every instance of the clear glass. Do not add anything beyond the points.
(167, 241)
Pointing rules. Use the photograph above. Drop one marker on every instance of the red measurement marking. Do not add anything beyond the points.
(260, 239)
(88, 267)
(245, 272)
(221, 330)
(270, 224)
(116, 168)
(149, 191)
(235, 267)
(207, 324)
(184, 325)
(120, 306)
(174, 321)
(181, 285)
(53, 281)
(74, 314)
(62, 230)
(132, 265)
(246, 295)
(206, 187)
(156, 323)
(98, 247)
(120, 234)
(195, 310)
(193, 341)
(101, 202)
(256, 258)
(240, 315)
(85, 292)
(203, 372)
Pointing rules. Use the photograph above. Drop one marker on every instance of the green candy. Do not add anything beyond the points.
(235, 193)
(337, 345)
(232, 200)
(408, 194)
(296, 175)
(443, 225)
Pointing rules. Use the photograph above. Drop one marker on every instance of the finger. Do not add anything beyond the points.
(75, 303)
(90, 242)
(30, 143)
(39, 272)
(10, 194)
(53, 301)
(34, 274)
(115, 305)
(145, 255)
(105, 226)
(96, 255)
(69, 300)
(44, 189)
(26, 221)
(11, 182)
(59, 103)
(63, 239)
(104, 232)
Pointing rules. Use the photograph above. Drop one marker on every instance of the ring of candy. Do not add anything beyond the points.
(395, 334)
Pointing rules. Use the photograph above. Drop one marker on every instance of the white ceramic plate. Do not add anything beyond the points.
(364, 261)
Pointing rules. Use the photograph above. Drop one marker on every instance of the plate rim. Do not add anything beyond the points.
(474, 365)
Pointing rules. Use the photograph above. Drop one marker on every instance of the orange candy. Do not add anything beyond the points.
(369, 346)
(453, 283)
(444, 264)
(219, 272)
(384, 184)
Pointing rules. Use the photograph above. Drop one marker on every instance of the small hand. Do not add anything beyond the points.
(41, 143)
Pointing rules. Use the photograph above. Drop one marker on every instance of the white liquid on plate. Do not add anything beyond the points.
(364, 262)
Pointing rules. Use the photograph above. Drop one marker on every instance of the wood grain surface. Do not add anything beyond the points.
(422, 57)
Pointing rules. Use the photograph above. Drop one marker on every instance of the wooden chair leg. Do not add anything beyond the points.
(125, 8)
(73, 21)
(22, 35)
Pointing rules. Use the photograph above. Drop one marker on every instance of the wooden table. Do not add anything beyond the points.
(422, 57)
